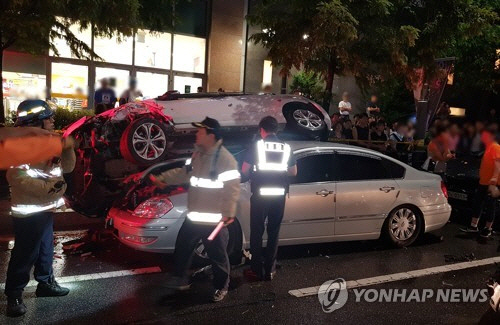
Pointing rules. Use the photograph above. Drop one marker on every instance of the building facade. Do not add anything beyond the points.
(208, 48)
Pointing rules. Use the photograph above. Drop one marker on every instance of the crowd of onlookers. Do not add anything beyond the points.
(369, 129)
(461, 135)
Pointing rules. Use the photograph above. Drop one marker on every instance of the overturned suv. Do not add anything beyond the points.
(126, 140)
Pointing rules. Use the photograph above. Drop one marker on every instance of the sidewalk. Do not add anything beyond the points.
(63, 221)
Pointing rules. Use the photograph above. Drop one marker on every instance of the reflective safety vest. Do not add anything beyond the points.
(214, 184)
(36, 190)
(270, 172)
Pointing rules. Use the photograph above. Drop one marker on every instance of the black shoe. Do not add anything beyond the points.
(15, 307)
(485, 233)
(219, 295)
(469, 229)
(178, 283)
(51, 289)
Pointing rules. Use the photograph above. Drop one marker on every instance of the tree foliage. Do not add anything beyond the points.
(374, 40)
(309, 84)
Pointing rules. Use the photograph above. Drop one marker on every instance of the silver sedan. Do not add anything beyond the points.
(340, 193)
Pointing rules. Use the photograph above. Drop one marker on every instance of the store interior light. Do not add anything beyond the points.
(457, 111)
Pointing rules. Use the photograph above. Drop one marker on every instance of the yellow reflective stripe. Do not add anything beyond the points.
(204, 217)
(32, 208)
(272, 191)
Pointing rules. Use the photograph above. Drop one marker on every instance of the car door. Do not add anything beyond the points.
(310, 207)
(365, 193)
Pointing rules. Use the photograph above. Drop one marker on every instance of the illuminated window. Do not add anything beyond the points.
(186, 85)
(152, 85)
(152, 50)
(62, 47)
(267, 75)
(114, 51)
(20, 86)
(189, 54)
(69, 85)
(118, 79)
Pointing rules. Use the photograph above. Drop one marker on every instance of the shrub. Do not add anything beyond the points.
(64, 117)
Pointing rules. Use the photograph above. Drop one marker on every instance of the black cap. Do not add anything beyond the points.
(207, 123)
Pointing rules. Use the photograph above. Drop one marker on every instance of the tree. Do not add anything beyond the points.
(328, 37)
(476, 69)
(309, 84)
(33, 26)
(374, 40)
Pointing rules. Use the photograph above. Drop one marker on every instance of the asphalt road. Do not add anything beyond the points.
(103, 294)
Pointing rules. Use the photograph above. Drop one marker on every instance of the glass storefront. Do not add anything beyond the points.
(114, 50)
(189, 53)
(186, 85)
(62, 47)
(152, 50)
(151, 84)
(118, 79)
(69, 85)
(19, 86)
(152, 58)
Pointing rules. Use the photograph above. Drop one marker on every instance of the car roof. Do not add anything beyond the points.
(298, 146)
(301, 145)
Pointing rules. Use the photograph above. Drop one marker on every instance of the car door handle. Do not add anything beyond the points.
(324, 193)
(387, 189)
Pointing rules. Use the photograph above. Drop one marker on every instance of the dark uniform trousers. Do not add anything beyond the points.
(483, 200)
(189, 236)
(34, 246)
(272, 208)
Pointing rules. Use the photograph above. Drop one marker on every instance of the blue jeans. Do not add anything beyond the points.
(34, 246)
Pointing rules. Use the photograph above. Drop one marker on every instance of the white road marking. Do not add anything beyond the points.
(311, 291)
(98, 276)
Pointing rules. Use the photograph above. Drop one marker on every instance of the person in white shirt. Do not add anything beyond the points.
(345, 107)
(131, 93)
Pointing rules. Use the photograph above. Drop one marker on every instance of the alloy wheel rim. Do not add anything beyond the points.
(403, 224)
(149, 141)
(308, 119)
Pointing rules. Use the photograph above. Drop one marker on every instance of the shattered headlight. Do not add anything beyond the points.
(153, 208)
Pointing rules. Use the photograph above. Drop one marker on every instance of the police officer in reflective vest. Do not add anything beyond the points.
(214, 179)
(36, 191)
(269, 163)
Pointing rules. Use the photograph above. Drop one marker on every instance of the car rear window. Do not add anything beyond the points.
(396, 170)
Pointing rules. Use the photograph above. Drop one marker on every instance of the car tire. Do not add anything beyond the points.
(145, 141)
(403, 225)
(234, 247)
(305, 121)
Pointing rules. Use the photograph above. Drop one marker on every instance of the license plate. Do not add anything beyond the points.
(457, 196)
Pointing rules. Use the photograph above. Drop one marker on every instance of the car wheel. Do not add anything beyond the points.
(234, 248)
(144, 141)
(403, 225)
(305, 120)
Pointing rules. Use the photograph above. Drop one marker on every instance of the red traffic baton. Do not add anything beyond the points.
(216, 231)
